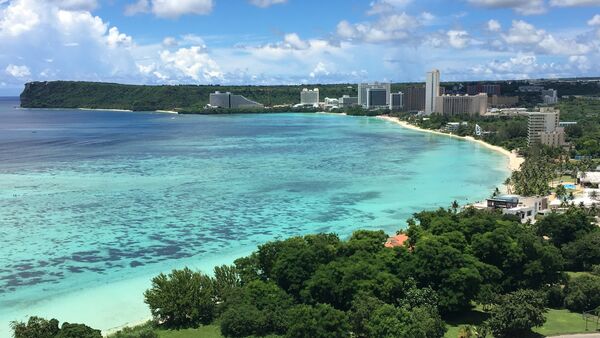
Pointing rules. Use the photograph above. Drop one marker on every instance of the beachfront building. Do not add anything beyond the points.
(377, 98)
(231, 101)
(550, 96)
(414, 99)
(526, 208)
(396, 101)
(363, 92)
(461, 104)
(453, 127)
(309, 97)
(348, 101)
(543, 128)
(331, 103)
(432, 90)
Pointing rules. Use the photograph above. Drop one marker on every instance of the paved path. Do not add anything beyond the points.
(582, 335)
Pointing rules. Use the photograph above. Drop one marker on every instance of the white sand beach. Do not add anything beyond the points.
(514, 160)
(103, 109)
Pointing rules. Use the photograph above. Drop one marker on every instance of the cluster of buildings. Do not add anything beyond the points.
(548, 96)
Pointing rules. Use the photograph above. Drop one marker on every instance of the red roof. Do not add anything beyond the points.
(395, 241)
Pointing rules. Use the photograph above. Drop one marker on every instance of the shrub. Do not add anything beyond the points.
(517, 313)
(183, 298)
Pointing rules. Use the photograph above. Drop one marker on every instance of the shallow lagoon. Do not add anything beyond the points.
(94, 203)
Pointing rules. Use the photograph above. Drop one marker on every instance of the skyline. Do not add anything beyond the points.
(294, 42)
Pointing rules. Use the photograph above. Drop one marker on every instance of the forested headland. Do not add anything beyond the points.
(454, 263)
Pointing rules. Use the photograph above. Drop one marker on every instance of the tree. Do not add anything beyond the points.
(440, 264)
(319, 321)
(183, 298)
(584, 252)
(565, 228)
(242, 321)
(226, 280)
(36, 327)
(582, 293)
(78, 331)
(517, 313)
(560, 192)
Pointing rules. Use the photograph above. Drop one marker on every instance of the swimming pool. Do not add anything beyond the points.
(569, 186)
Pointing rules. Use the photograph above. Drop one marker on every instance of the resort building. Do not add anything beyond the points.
(589, 179)
(490, 89)
(453, 127)
(348, 101)
(377, 98)
(231, 101)
(461, 104)
(432, 90)
(530, 89)
(396, 101)
(414, 99)
(550, 96)
(309, 97)
(526, 208)
(496, 101)
(543, 128)
(363, 92)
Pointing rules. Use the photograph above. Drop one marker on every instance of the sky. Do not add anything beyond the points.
(294, 41)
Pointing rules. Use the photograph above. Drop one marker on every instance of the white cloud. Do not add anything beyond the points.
(294, 41)
(18, 71)
(494, 26)
(266, 3)
(574, 3)
(75, 5)
(192, 63)
(170, 9)
(385, 6)
(389, 27)
(458, 39)
(169, 41)
(319, 70)
(595, 21)
(525, 7)
(523, 35)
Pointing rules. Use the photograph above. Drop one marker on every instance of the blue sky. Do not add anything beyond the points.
(294, 41)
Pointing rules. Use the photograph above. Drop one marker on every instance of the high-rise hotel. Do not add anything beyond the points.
(432, 90)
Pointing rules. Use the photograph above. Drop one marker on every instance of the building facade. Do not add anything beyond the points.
(461, 104)
(377, 98)
(414, 98)
(348, 101)
(502, 101)
(396, 101)
(490, 89)
(543, 128)
(309, 97)
(231, 101)
(432, 90)
(364, 87)
(550, 96)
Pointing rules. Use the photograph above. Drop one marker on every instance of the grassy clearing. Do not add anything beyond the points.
(557, 322)
(208, 331)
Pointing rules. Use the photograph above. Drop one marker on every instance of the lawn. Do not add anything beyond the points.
(208, 331)
(557, 322)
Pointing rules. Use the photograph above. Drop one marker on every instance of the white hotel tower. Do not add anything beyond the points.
(432, 90)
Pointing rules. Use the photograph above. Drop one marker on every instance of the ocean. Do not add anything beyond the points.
(93, 204)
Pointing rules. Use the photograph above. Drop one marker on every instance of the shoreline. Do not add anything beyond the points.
(514, 161)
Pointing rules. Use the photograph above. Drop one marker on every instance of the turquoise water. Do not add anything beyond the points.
(94, 203)
(570, 186)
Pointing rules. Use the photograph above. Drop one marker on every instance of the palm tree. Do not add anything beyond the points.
(455, 206)
(508, 183)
